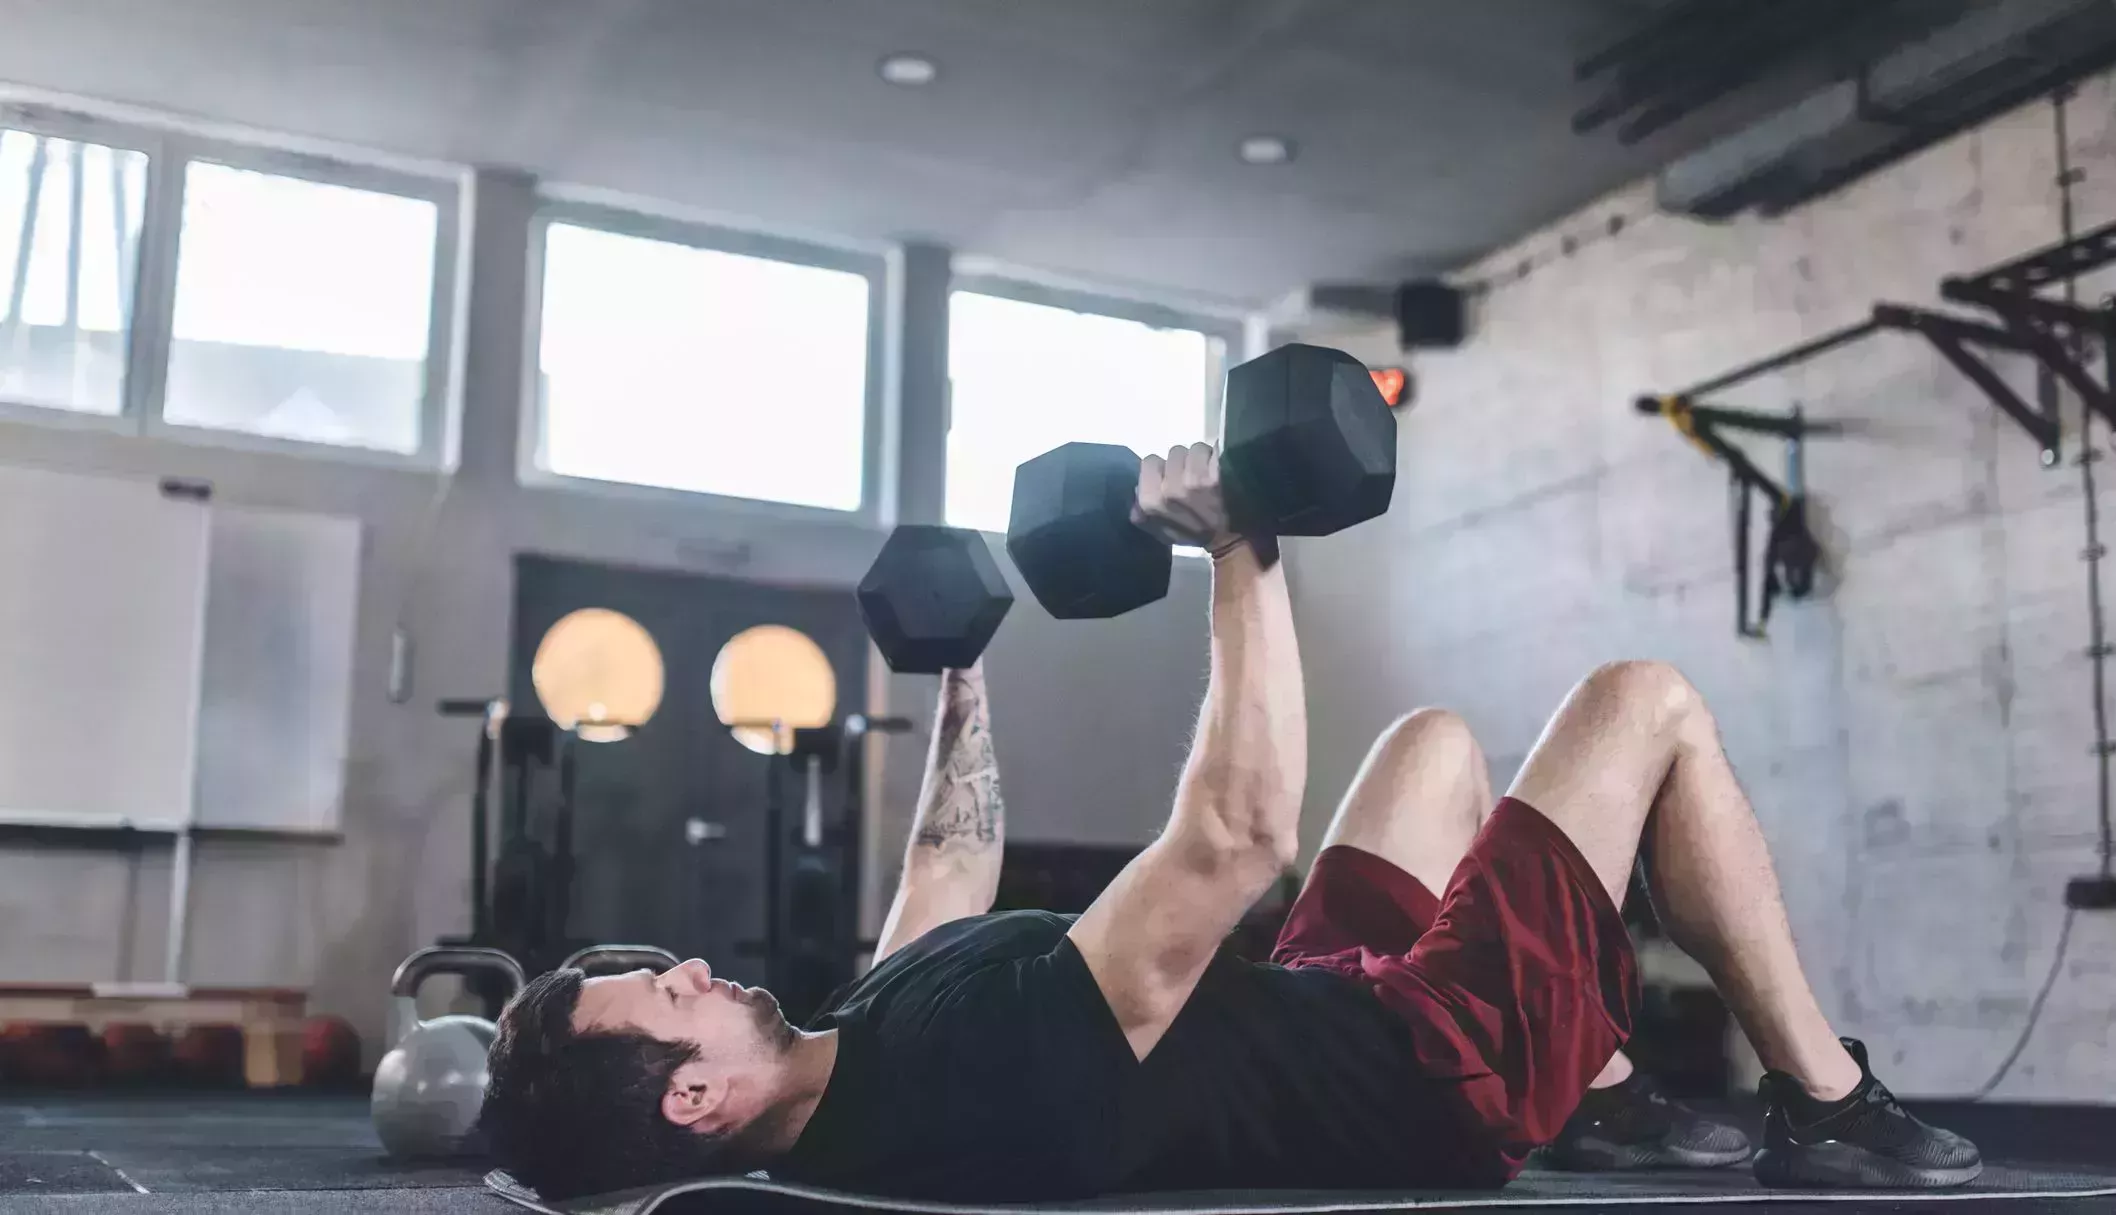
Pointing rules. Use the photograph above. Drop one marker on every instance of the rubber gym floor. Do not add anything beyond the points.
(77, 1154)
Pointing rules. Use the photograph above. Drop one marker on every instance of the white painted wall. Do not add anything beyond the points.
(1916, 742)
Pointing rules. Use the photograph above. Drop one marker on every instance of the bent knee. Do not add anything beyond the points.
(1636, 685)
(1425, 732)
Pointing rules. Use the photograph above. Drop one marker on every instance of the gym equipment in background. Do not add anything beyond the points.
(1308, 448)
(598, 676)
(208, 1056)
(621, 959)
(812, 943)
(493, 713)
(2027, 305)
(330, 1052)
(774, 690)
(1791, 556)
(519, 899)
(430, 1087)
(532, 872)
(134, 1053)
(933, 598)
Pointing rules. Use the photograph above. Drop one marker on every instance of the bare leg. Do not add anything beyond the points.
(1419, 797)
(1617, 1071)
(1633, 756)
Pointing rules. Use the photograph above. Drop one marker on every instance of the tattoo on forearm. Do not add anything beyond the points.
(961, 807)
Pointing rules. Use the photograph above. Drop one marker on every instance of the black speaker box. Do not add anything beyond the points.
(1430, 314)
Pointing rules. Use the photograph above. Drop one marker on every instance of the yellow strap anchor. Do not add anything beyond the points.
(1678, 412)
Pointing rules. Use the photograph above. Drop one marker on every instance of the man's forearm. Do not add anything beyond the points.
(951, 865)
(1241, 788)
(960, 825)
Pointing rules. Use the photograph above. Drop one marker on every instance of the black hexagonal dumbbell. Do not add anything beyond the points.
(1308, 448)
(933, 598)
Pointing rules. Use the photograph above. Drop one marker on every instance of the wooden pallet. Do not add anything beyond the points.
(270, 1017)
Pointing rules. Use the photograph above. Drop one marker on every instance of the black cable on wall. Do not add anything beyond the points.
(2097, 631)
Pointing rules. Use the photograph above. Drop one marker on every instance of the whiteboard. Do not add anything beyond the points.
(102, 626)
(282, 597)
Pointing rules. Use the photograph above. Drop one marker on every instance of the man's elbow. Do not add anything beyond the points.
(1267, 829)
(1277, 851)
(1271, 842)
(968, 883)
(1255, 853)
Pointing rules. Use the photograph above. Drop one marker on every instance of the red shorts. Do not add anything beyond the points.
(1517, 983)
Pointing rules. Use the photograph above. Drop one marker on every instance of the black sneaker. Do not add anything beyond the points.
(1865, 1140)
(1633, 1125)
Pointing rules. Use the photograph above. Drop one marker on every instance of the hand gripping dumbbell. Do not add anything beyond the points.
(1308, 448)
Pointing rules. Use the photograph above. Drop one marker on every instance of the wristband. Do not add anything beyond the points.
(1265, 546)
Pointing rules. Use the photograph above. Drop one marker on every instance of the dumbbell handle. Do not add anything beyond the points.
(1308, 448)
(599, 958)
(1263, 542)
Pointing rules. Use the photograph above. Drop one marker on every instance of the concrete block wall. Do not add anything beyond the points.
(1916, 739)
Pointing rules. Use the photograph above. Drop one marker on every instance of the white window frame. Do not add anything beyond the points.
(872, 265)
(81, 128)
(1228, 329)
(170, 151)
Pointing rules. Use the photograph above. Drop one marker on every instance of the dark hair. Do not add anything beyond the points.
(573, 1113)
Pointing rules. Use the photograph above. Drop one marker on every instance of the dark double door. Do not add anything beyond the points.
(669, 832)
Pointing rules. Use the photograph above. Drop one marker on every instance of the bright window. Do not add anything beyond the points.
(1027, 377)
(668, 365)
(69, 237)
(303, 310)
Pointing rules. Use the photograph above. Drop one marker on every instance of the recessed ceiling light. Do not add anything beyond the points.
(1265, 150)
(908, 70)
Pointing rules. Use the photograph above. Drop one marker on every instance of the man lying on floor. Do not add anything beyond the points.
(1402, 1038)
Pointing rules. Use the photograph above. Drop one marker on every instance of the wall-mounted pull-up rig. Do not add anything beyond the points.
(1790, 553)
(2057, 334)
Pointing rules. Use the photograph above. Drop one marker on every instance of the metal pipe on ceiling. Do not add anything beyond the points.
(1708, 59)
(1744, 53)
(1670, 22)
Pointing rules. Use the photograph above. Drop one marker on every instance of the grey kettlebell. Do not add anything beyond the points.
(430, 1087)
(617, 959)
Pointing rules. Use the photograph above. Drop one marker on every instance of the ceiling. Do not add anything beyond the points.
(1087, 139)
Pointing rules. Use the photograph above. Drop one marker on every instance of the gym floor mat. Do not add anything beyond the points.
(264, 1153)
(265, 1202)
(149, 1154)
(56, 1173)
(62, 1121)
(215, 1170)
(1999, 1185)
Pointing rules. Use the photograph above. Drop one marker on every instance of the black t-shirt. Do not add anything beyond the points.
(981, 1063)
